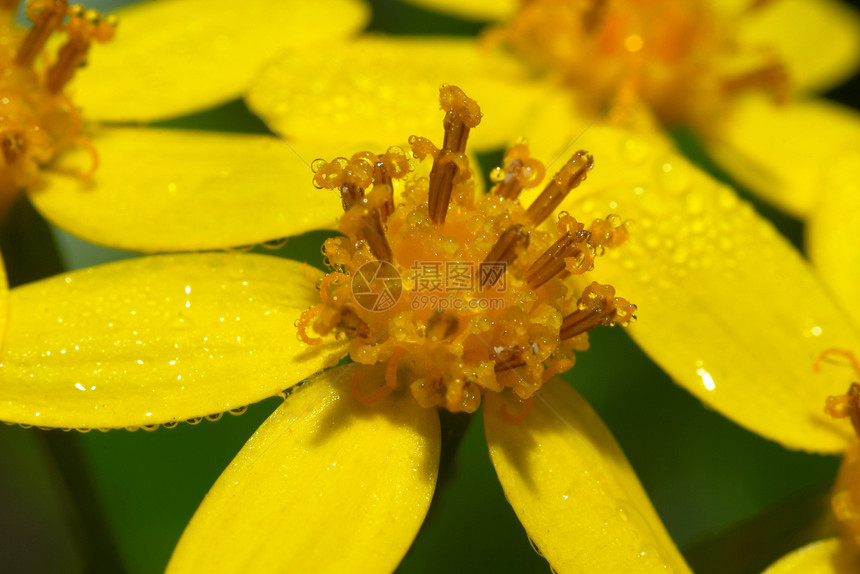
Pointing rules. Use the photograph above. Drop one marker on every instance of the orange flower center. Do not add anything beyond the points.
(458, 294)
(678, 56)
(36, 118)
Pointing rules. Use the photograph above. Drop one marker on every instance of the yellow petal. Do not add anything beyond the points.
(473, 9)
(822, 557)
(832, 232)
(325, 485)
(157, 339)
(726, 305)
(382, 90)
(818, 40)
(782, 152)
(171, 58)
(573, 489)
(172, 190)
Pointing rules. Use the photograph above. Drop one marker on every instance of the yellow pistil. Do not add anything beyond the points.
(37, 120)
(459, 294)
(846, 492)
(679, 57)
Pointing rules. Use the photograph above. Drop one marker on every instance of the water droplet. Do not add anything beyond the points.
(497, 175)
(318, 164)
(194, 421)
(239, 411)
(622, 513)
(214, 417)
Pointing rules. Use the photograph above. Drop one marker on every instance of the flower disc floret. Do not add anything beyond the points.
(458, 293)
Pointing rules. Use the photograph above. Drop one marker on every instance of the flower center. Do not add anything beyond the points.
(678, 56)
(458, 293)
(36, 118)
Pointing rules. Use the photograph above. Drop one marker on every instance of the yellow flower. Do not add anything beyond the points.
(172, 338)
(75, 144)
(702, 270)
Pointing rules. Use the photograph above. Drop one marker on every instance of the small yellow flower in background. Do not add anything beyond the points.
(74, 143)
(706, 265)
(171, 338)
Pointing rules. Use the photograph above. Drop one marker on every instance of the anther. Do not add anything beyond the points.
(461, 114)
(552, 261)
(510, 242)
(598, 305)
(374, 235)
(568, 177)
(47, 16)
(83, 27)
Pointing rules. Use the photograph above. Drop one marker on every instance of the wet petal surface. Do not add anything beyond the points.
(172, 190)
(157, 339)
(726, 305)
(326, 483)
(171, 58)
(382, 90)
(573, 489)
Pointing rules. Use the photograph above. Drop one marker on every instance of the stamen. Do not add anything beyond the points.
(570, 176)
(352, 177)
(598, 305)
(374, 235)
(519, 172)
(552, 261)
(462, 114)
(392, 164)
(510, 242)
(846, 406)
(83, 27)
(47, 16)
